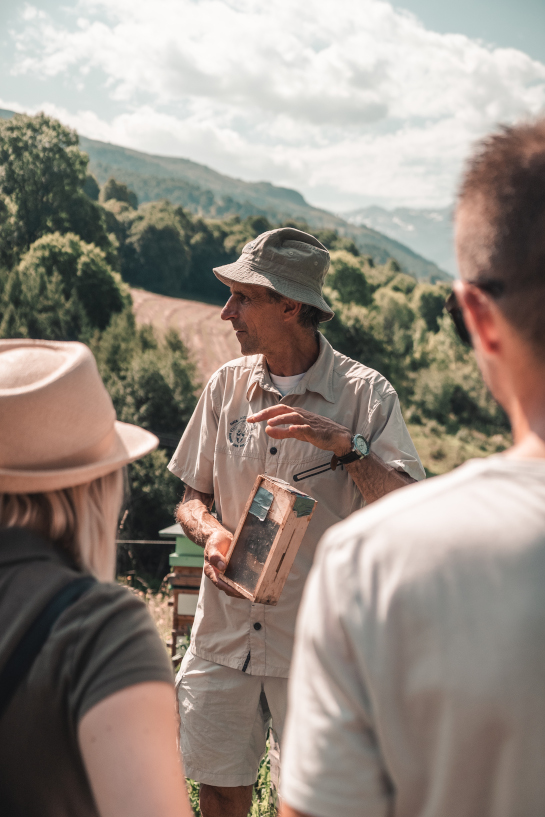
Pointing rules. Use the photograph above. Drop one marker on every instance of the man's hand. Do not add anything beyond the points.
(193, 513)
(216, 547)
(373, 477)
(304, 425)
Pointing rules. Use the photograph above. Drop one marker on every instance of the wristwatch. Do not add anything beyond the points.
(360, 449)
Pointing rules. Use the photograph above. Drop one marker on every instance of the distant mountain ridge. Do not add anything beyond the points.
(211, 194)
(427, 232)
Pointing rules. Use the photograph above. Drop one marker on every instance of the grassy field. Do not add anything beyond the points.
(441, 452)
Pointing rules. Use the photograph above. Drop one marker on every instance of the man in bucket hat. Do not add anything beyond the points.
(286, 408)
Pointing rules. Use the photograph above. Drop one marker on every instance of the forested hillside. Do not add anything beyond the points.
(205, 192)
(69, 248)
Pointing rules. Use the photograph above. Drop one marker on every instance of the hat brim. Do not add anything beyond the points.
(131, 443)
(245, 273)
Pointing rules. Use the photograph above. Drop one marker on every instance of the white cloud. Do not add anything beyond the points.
(342, 100)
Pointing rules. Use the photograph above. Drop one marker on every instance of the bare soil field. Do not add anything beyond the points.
(210, 340)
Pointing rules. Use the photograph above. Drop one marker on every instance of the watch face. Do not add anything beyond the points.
(361, 445)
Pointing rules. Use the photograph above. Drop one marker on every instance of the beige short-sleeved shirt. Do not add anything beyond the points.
(418, 681)
(221, 454)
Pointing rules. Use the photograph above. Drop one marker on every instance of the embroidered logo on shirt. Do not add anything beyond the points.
(239, 431)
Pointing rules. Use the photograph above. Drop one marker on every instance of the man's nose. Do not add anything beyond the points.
(229, 311)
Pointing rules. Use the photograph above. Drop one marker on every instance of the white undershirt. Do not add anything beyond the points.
(286, 384)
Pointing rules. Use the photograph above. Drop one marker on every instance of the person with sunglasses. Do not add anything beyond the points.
(419, 667)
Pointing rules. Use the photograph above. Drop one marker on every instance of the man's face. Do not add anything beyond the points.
(257, 320)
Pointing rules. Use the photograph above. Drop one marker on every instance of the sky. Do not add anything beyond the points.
(351, 102)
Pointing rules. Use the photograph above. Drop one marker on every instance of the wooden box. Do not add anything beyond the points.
(267, 539)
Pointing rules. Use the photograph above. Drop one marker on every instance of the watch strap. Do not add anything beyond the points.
(352, 456)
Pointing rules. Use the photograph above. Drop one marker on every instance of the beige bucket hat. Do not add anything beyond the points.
(58, 423)
(287, 260)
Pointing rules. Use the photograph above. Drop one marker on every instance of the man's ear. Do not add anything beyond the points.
(481, 316)
(291, 309)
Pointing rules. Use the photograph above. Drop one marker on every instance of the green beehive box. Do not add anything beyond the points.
(187, 553)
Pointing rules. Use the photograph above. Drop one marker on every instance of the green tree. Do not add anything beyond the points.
(208, 250)
(91, 187)
(152, 497)
(333, 241)
(347, 277)
(156, 255)
(119, 192)
(152, 383)
(42, 176)
(429, 303)
(84, 273)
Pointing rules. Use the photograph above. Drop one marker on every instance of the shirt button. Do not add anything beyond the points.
(274, 450)
(257, 626)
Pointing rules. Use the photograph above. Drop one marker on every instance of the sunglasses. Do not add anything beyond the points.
(493, 288)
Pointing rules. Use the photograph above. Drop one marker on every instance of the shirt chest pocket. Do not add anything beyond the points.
(237, 438)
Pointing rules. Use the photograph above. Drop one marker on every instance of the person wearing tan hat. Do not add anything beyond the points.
(87, 706)
(286, 408)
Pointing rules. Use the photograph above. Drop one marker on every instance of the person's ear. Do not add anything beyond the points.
(481, 317)
(291, 309)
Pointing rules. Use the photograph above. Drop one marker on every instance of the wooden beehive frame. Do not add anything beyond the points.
(291, 510)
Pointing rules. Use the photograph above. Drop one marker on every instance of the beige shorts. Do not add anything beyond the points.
(225, 715)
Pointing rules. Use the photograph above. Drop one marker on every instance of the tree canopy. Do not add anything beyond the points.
(42, 176)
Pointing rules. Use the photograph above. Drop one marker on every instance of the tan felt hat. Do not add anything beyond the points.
(287, 260)
(58, 424)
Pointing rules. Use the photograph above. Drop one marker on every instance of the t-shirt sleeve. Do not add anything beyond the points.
(115, 645)
(331, 762)
(193, 460)
(390, 439)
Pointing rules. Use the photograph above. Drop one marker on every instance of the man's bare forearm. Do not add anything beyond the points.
(193, 514)
(374, 478)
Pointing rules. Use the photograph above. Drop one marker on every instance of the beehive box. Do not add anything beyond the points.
(184, 582)
(267, 539)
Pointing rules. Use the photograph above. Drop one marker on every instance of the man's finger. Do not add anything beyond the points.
(212, 573)
(217, 559)
(267, 413)
(293, 418)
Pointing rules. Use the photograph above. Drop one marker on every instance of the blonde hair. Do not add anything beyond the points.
(81, 520)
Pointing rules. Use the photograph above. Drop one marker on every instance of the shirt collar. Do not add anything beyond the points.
(319, 377)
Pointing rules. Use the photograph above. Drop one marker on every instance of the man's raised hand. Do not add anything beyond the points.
(285, 421)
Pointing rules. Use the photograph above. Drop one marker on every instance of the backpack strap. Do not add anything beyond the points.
(20, 661)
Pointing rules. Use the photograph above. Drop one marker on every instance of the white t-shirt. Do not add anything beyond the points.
(418, 680)
(286, 384)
